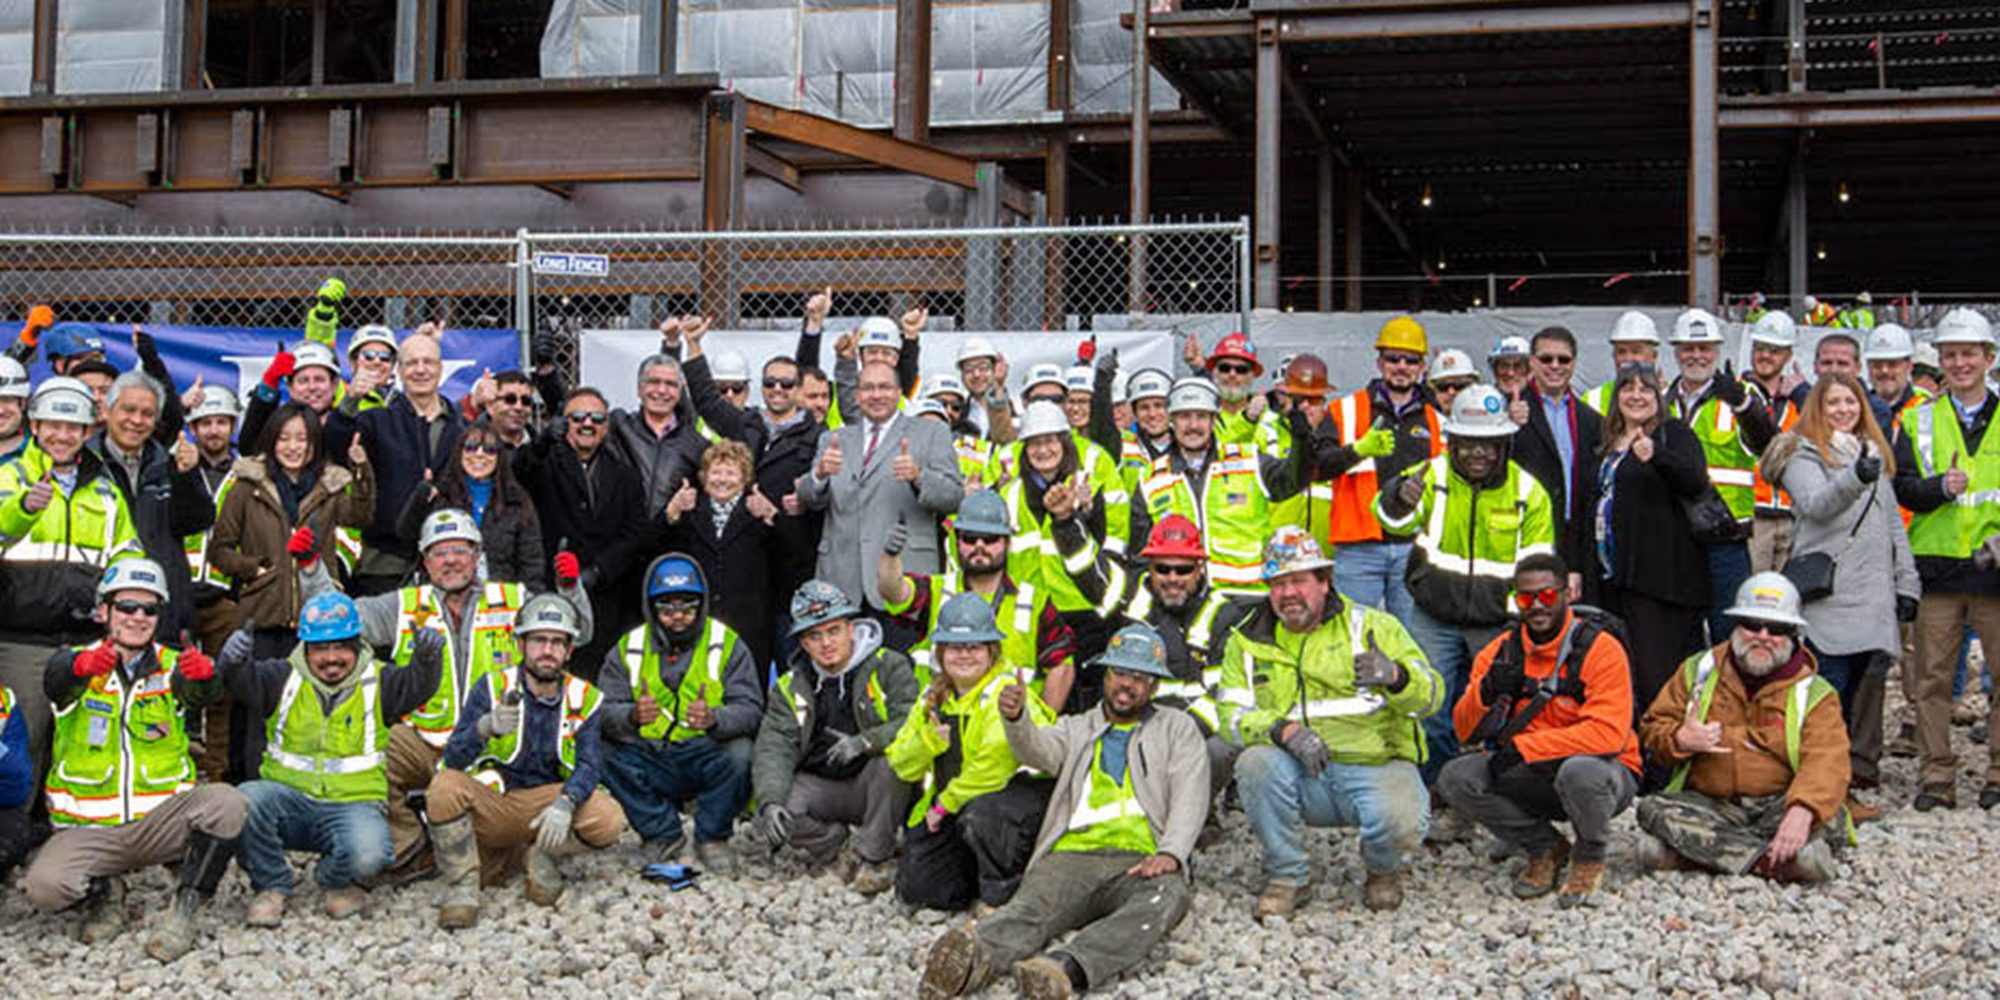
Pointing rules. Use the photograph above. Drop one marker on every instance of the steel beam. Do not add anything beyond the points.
(721, 200)
(1139, 188)
(1362, 23)
(861, 144)
(1922, 106)
(194, 45)
(1270, 118)
(759, 160)
(1196, 24)
(1329, 167)
(913, 70)
(1352, 228)
(1704, 229)
(1192, 92)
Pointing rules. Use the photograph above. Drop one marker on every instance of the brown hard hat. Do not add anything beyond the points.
(1306, 376)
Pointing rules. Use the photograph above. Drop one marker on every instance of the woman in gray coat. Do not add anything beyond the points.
(1837, 467)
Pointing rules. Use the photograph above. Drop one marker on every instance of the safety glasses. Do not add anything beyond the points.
(1546, 597)
(1776, 630)
(1233, 368)
(1399, 358)
(127, 606)
(1174, 569)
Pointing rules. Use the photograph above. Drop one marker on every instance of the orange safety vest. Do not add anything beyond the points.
(1351, 517)
(1769, 497)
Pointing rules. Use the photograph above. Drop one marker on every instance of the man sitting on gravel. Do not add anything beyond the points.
(1550, 701)
(1327, 696)
(1111, 860)
(1759, 749)
(819, 764)
(521, 771)
(328, 710)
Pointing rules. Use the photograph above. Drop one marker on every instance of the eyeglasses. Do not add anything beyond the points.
(995, 540)
(1175, 569)
(949, 404)
(1233, 368)
(774, 382)
(979, 367)
(677, 606)
(482, 448)
(1547, 597)
(1057, 398)
(150, 609)
(377, 356)
(515, 399)
(449, 551)
(731, 388)
(1399, 358)
(590, 416)
(1776, 630)
(1554, 359)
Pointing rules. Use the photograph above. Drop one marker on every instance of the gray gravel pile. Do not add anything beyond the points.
(1916, 913)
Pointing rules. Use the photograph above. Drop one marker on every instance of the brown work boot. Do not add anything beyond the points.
(267, 909)
(874, 879)
(1936, 797)
(1382, 891)
(1538, 876)
(1862, 812)
(101, 915)
(1043, 978)
(545, 883)
(1581, 888)
(458, 863)
(1280, 898)
(958, 965)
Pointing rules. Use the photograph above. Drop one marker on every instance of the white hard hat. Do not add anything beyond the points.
(1634, 327)
(1043, 417)
(132, 574)
(1080, 378)
(976, 347)
(1148, 383)
(1192, 395)
(944, 385)
(445, 525)
(313, 354)
(215, 402)
(1121, 383)
(13, 379)
(1964, 326)
(1480, 412)
(1811, 302)
(1767, 597)
(1044, 374)
(1888, 342)
(548, 613)
(1924, 355)
(1775, 329)
(880, 331)
(929, 407)
(1453, 363)
(380, 336)
(729, 366)
(64, 399)
(1865, 299)
(1293, 549)
(1509, 347)
(1697, 326)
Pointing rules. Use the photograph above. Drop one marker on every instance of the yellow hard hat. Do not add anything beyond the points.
(1402, 334)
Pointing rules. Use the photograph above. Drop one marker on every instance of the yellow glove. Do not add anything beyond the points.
(1377, 443)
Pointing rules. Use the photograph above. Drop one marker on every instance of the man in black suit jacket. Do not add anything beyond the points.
(1558, 444)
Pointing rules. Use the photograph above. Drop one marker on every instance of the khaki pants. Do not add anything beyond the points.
(1770, 541)
(1941, 619)
(411, 763)
(500, 820)
(62, 871)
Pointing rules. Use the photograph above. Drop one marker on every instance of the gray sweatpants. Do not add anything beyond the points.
(875, 802)
(1591, 790)
(1118, 918)
(62, 871)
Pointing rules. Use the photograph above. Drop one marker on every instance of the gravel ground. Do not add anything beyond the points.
(1916, 912)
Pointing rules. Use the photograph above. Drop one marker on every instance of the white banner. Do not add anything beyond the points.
(609, 359)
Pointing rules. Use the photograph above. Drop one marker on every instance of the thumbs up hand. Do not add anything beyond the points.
(1374, 669)
(1696, 736)
(681, 502)
(829, 460)
(185, 455)
(699, 715)
(906, 467)
(1517, 409)
(38, 498)
(1727, 388)
(358, 455)
(192, 397)
(1955, 479)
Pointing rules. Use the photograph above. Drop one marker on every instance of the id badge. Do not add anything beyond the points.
(100, 730)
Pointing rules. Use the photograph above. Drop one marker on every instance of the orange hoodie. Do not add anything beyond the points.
(1599, 726)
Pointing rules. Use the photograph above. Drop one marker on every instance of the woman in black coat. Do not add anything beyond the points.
(1653, 573)
(728, 534)
(480, 481)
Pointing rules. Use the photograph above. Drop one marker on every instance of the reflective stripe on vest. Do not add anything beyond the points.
(1956, 529)
(491, 648)
(1432, 539)
(200, 570)
(1769, 497)
(579, 702)
(642, 668)
(1805, 695)
(368, 690)
(100, 773)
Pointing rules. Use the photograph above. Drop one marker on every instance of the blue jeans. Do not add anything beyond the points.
(1728, 567)
(1450, 649)
(1371, 573)
(1388, 802)
(649, 781)
(351, 838)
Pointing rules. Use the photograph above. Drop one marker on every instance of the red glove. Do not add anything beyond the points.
(94, 662)
(567, 569)
(281, 368)
(40, 318)
(196, 666)
(1086, 352)
(303, 547)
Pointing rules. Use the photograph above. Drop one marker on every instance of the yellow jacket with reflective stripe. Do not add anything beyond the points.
(118, 751)
(492, 649)
(1955, 529)
(89, 527)
(1234, 513)
(1467, 539)
(337, 756)
(986, 761)
(1732, 468)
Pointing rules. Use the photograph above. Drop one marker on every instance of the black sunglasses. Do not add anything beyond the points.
(128, 606)
(591, 416)
(774, 382)
(1234, 368)
(482, 448)
(515, 398)
(1057, 398)
(1399, 358)
(731, 388)
(1554, 359)
(1776, 630)
(1175, 569)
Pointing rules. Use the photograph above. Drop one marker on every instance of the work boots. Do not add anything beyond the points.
(1585, 879)
(1538, 876)
(207, 861)
(1280, 898)
(545, 880)
(958, 965)
(101, 912)
(457, 850)
(1383, 890)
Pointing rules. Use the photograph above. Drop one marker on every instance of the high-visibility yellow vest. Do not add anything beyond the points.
(1955, 529)
(118, 752)
(1234, 513)
(1806, 693)
(1731, 466)
(492, 649)
(1108, 816)
(91, 526)
(200, 570)
(702, 681)
(333, 757)
(1512, 520)
(580, 701)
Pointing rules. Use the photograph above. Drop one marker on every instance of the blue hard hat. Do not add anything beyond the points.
(67, 340)
(329, 617)
(674, 574)
(982, 513)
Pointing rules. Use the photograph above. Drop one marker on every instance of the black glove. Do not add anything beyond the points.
(145, 347)
(1867, 468)
(1501, 760)
(1504, 679)
(1906, 608)
(1727, 388)
(1307, 748)
(542, 348)
(895, 538)
(1375, 670)
(427, 649)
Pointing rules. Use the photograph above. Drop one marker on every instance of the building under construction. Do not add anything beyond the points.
(1441, 155)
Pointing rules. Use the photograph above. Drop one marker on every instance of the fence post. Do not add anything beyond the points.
(1243, 268)
(524, 306)
(982, 253)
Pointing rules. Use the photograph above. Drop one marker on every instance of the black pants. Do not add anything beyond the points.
(1658, 636)
(979, 852)
(18, 836)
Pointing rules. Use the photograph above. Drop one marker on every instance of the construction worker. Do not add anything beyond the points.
(371, 357)
(120, 784)
(1733, 429)
(829, 716)
(1508, 361)
(14, 392)
(61, 523)
(682, 702)
(1327, 698)
(1859, 316)
(972, 827)
(1925, 372)
(1451, 374)
(327, 711)
(1949, 480)
(1150, 434)
(984, 373)
(1471, 514)
(1240, 416)
(1383, 429)
(70, 344)
(1635, 340)
(476, 615)
(1303, 380)
(1758, 751)
(975, 453)
(1889, 357)
(522, 770)
(1111, 861)
(1820, 314)
(1781, 394)
(212, 420)
(1035, 638)
(310, 374)
(1547, 714)
(1226, 489)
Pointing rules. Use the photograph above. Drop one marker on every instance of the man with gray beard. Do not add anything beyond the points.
(1758, 749)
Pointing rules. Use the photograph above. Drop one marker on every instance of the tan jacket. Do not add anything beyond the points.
(251, 531)
(1168, 760)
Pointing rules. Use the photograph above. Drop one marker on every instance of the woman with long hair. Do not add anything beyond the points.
(480, 479)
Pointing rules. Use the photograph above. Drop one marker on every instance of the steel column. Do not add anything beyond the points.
(1797, 236)
(913, 70)
(721, 202)
(456, 15)
(1323, 274)
(319, 42)
(1059, 55)
(524, 305)
(1055, 171)
(194, 45)
(982, 257)
(42, 77)
(1795, 46)
(1353, 232)
(1140, 187)
(1270, 116)
(1704, 233)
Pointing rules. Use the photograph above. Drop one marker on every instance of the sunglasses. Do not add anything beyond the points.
(1057, 398)
(774, 382)
(1175, 569)
(949, 404)
(515, 398)
(590, 416)
(1775, 630)
(1399, 358)
(1554, 359)
(1233, 368)
(683, 606)
(1546, 597)
(150, 609)
(377, 356)
(983, 539)
(731, 388)
(483, 448)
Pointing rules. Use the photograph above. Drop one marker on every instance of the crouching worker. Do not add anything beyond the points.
(121, 782)
(1131, 795)
(1758, 748)
(521, 771)
(1549, 705)
(327, 713)
(819, 765)
(973, 825)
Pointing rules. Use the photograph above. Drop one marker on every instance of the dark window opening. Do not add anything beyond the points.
(269, 43)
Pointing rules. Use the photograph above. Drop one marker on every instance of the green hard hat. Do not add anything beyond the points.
(965, 620)
(1136, 648)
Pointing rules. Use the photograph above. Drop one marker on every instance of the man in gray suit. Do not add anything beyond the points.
(879, 469)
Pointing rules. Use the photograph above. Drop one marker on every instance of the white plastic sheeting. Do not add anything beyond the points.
(17, 46)
(1100, 52)
(593, 38)
(115, 46)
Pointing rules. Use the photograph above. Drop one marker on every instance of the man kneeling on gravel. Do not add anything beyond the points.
(1111, 860)
(1758, 748)
(1327, 696)
(818, 764)
(1549, 704)
(327, 713)
(521, 770)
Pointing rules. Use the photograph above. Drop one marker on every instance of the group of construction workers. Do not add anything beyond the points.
(1012, 648)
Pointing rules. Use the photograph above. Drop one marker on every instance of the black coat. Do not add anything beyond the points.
(510, 533)
(167, 506)
(782, 457)
(1535, 451)
(1653, 550)
(399, 447)
(739, 568)
(599, 512)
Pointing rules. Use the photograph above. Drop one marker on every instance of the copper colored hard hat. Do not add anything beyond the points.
(1306, 377)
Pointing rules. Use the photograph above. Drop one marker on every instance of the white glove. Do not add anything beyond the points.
(552, 825)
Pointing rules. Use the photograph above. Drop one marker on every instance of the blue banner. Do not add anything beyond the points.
(237, 355)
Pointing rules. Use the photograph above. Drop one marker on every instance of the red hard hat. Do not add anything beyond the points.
(1237, 346)
(1173, 537)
